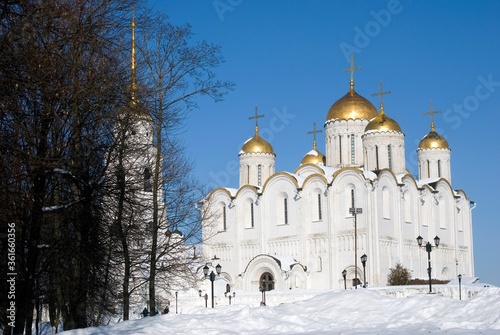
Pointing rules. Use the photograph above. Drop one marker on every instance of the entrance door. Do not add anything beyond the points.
(266, 281)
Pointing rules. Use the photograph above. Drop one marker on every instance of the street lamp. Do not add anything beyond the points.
(218, 269)
(344, 274)
(355, 211)
(176, 302)
(363, 260)
(428, 247)
(460, 286)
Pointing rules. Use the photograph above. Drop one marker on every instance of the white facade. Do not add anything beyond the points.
(296, 229)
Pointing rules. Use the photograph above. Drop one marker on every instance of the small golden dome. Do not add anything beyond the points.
(257, 145)
(433, 141)
(314, 156)
(383, 123)
(352, 106)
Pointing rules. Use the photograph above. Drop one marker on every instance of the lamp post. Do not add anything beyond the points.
(344, 274)
(218, 269)
(460, 286)
(363, 260)
(176, 302)
(428, 247)
(263, 291)
(355, 211)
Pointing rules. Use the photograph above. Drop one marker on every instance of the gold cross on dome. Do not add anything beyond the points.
(256, 118)
(314, 134)
(381, 94)
(352, 68)
(432, 112)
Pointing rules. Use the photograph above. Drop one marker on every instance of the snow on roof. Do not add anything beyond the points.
(369, 174)
(286, 262)
(232, 191)
(312, 152)
(426, 181)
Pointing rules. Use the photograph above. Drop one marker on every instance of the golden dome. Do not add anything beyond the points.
(314, 156)
(433, 141)
(352, 106)
(257, 145)
(383, 123)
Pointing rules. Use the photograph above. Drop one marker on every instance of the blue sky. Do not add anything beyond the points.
(287, 58)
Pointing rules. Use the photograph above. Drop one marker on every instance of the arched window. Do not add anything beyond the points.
(320, 216)
(147, 180)
(266, 282)
(428, 169)
(389, 154)
(224, 222)
(439, 168)
(376, 157)
(285, 210)
(340, 149)
(442, 214)
(386, 209)
(222, 217)
(249, 215)
(352, 149)
(407, 206)
(259, 174)
(252, 223)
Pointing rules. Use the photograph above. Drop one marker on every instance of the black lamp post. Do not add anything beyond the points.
(344, 274)
(363, 260)
(218, 269)
(176, 302)
(460, 286)
(355, 211)
(428, 247)
(264, 291)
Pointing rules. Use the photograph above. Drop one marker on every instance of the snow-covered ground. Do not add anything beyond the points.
(362, 311)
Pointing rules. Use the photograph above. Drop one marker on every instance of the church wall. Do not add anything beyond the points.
(342, 238)
(283, 220)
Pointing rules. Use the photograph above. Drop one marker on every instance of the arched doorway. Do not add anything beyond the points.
(266, 282)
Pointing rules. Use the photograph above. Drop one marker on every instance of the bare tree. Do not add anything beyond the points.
(61, 80)
(177, 71)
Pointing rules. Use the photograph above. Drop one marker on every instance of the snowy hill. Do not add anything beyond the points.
(363, 311)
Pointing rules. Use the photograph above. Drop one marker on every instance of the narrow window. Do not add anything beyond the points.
(251, 215)
(389, 156)
(224, 217)
(439, 168)
(147, 180)
(248, 174)
(376, 156)
(319, 207)
(352, 198)
(352, 148)
(285, 208)
(386, 197)
(340, 149)
(259, 170)
(428, 169)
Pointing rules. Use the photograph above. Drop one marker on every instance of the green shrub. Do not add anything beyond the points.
(398, 276)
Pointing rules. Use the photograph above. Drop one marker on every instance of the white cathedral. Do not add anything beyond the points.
(297, 230)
